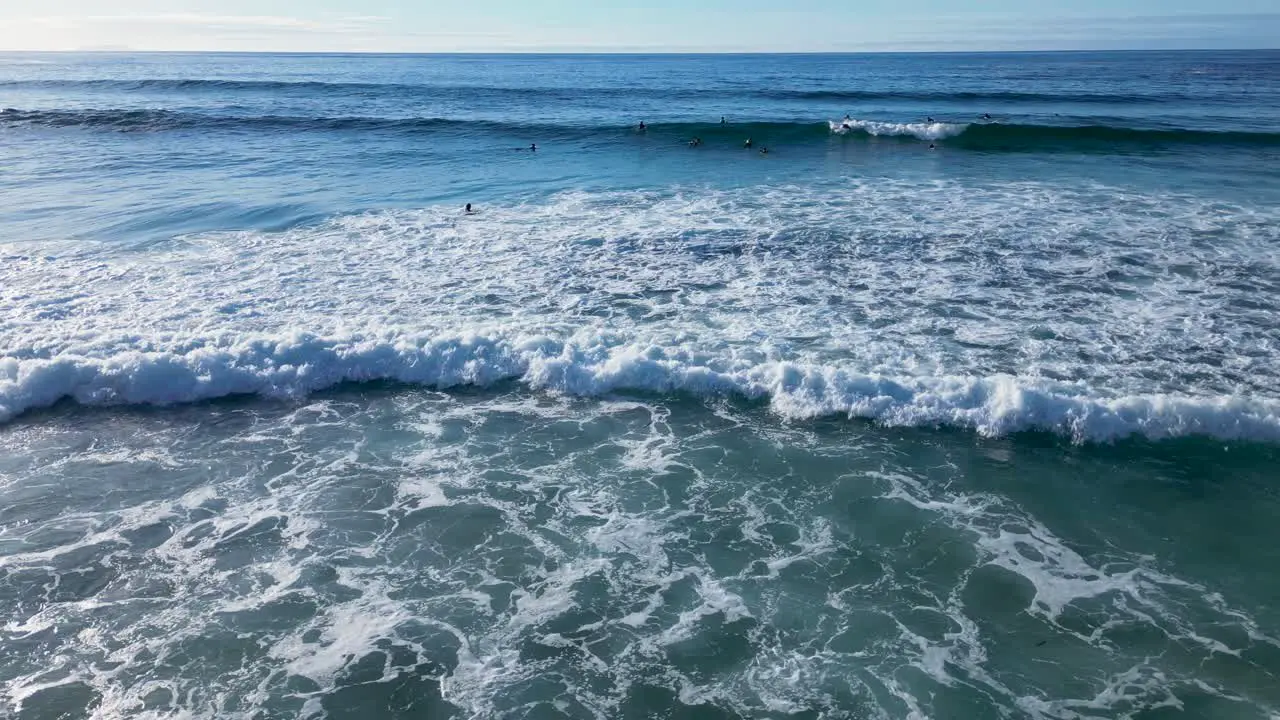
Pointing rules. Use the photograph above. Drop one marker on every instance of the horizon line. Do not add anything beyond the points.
(605, 52)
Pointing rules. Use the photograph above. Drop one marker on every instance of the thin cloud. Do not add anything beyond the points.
(787, 30)
(335, 24)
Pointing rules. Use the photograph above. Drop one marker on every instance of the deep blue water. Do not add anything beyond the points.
(190, 142)
(961, 401)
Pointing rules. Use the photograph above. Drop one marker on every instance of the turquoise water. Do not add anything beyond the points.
(858, 428)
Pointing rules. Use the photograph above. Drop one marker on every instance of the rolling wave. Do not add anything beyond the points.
(203, 85)
(318, 89)
(992, 96)
(124, 120)
(975, 136)
(1036, 137)
(294, 365)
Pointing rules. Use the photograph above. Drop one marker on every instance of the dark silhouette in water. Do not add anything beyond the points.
(642, 126)
(533, 147)
(747, 144)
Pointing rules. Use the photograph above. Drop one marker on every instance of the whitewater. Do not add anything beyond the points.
(757, 300)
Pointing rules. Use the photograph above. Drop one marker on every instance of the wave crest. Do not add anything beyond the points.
(295, 365)
(923, 131)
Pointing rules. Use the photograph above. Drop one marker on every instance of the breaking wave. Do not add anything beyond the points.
(295, 365)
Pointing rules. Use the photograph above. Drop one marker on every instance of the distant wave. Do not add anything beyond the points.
(919, 130)
(1001, 136)
(317, 89)
(295, 365)
(161, 120)
(202, 85)
(976, 97)
(1036, 137)
(306, 86)
(973, 136)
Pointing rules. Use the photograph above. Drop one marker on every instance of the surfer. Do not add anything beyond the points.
(642, 127)
(932, 146)
(695, 142)
(764, 151)
(533, 147)
(467, 211)
(930, 120)
(723, 121)
(747, 144)
(986, 116)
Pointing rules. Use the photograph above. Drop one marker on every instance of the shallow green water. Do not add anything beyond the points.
(501, 553)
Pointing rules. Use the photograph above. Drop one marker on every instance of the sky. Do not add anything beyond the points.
(636, 25)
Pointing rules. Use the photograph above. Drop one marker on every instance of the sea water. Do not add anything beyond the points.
(919, 415)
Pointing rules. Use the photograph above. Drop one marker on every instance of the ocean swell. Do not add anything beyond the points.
(295, 365)
(985, 136)
(488, 91)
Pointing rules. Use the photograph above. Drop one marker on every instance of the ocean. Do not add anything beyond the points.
(962, 401)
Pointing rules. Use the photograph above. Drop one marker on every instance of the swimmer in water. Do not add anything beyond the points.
(986, 116)
(764, 151)
(930, 120)
(533, 147)
(723, 121)
(468, 209)
(932, 146)
(747, 144)
(642, 127)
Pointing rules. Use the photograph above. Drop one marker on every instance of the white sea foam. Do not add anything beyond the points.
(921, 130)
(1083, 310)
(299, 364)
(581, 580)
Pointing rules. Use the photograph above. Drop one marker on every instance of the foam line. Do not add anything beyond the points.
(299, 364)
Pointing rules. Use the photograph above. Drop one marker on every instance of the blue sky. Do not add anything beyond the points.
(636, 25)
